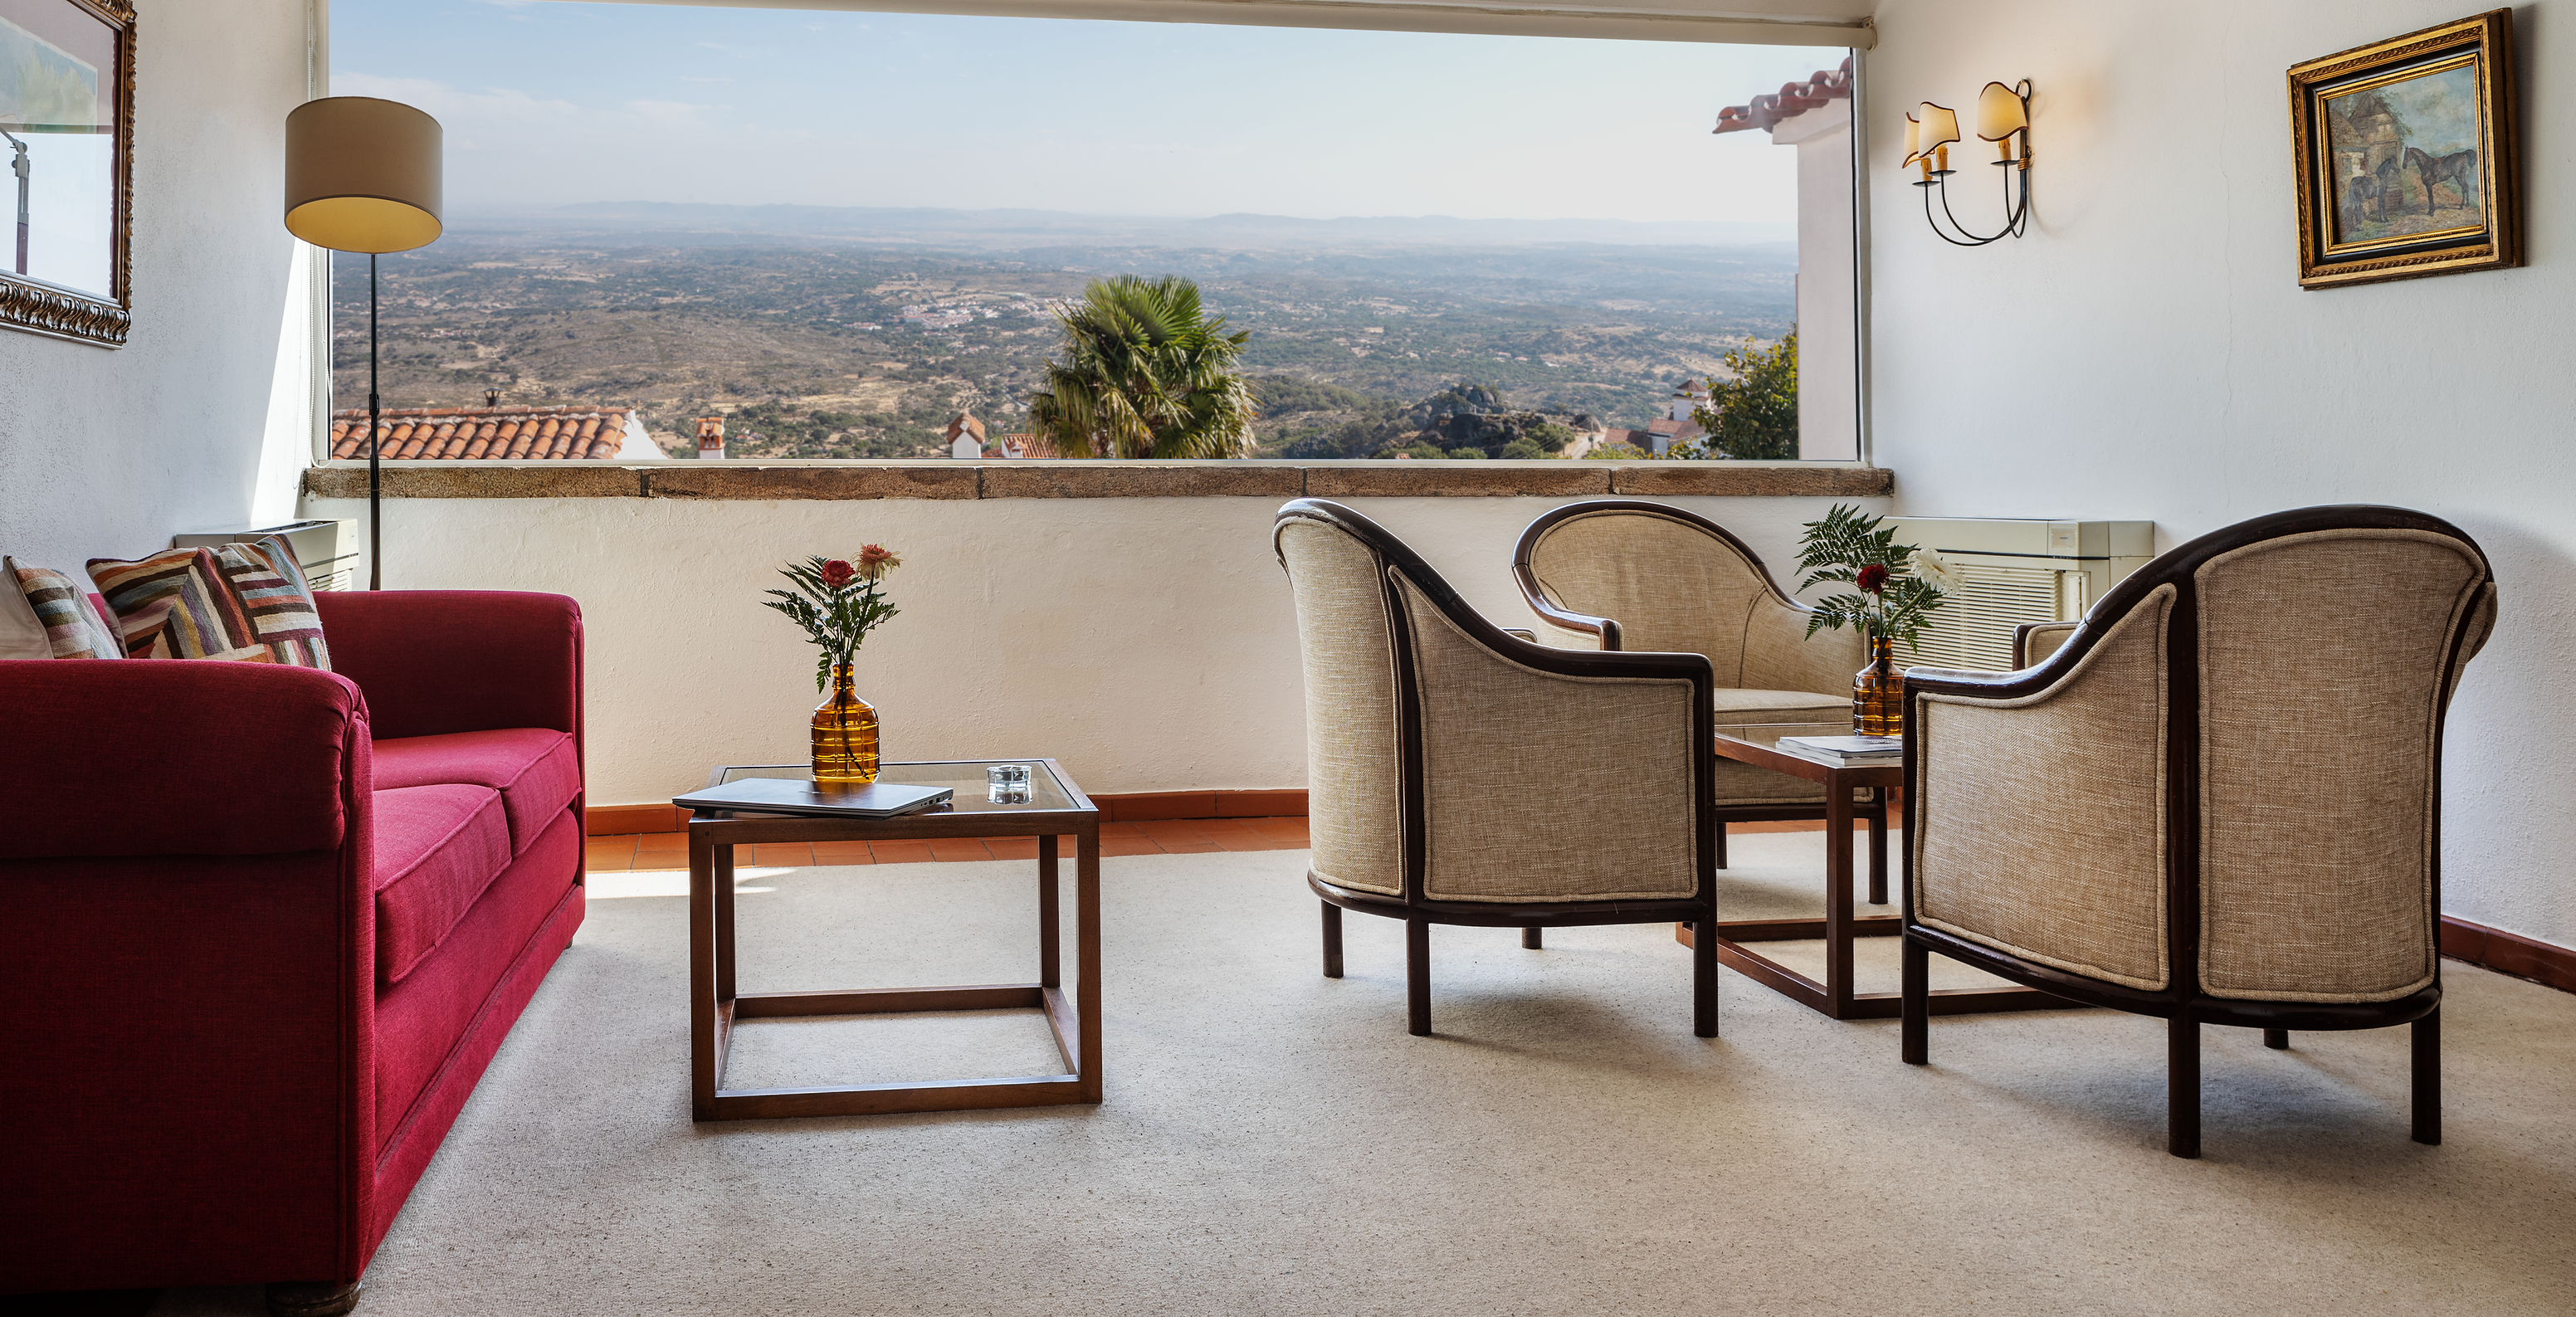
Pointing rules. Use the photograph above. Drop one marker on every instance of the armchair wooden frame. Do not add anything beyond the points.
(2184, 1004)
(1417, 910)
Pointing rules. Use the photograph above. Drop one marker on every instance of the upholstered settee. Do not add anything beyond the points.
(262, 928)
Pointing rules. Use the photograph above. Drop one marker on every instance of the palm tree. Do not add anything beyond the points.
(1144, 374)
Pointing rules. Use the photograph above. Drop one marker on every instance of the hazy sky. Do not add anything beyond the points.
(547, 103)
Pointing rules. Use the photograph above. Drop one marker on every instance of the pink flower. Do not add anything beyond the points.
(838, 573)
(1873, 577)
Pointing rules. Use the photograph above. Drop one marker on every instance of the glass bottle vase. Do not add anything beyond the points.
(845, 735)
(1878, 692)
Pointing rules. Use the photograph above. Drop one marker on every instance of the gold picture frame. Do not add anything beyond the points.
(67, 168)
(2406, 157)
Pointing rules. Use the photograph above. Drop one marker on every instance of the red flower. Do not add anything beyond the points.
(838, 573)
(1872, 577)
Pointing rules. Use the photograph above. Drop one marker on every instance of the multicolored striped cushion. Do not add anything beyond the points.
(179, 605)
(271, 586)
(61, 618)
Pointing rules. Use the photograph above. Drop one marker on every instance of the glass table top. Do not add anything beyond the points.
(1770, 733)
(964, 777)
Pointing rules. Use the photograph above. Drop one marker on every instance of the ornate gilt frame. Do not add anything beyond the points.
(2485, 43)
(37, 307)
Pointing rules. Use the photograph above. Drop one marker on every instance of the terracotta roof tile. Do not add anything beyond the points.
(485, 433)
(1792, 99)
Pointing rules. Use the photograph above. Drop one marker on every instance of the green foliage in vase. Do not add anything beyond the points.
(838, 601)
(1145, 372)
(1754, 416)
(1895, 586)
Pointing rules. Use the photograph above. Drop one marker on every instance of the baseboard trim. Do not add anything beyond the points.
(2544, 963)
(1115, 807)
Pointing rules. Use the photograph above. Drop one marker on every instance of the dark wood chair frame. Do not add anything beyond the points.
(1418, 911)
(2182, 1004)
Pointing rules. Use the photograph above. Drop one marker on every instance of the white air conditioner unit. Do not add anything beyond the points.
(328, 551)
(2016, 571)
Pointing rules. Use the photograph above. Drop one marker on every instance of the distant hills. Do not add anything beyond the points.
(1021, 227)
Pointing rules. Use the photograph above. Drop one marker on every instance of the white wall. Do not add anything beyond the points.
(1828, 350)
(2147, 353)
(108, 453)
(1147, 643)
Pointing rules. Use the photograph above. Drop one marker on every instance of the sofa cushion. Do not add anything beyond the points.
(46, 614)
(536, 770)
(178, 604)
(436, 849)
(265, 577)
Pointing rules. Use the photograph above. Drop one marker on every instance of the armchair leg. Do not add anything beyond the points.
(1878, 853)
(1332, 940)
(1721, 843)
(2428, 1078)
(2277, 1039)
(312, 1298)
(2182, 1086)
(1704, 979)
(1417, 977)
(1914, 1025)
(1530, 937)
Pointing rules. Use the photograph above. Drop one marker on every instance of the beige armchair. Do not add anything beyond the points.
(1459, 775)
(1615, 574)
(2177, 814)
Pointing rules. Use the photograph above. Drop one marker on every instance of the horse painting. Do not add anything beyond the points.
(2459, 169)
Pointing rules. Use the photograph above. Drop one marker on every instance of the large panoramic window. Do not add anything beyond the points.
(868, 236)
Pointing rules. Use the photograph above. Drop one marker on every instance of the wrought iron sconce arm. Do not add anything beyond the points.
(2003, 117)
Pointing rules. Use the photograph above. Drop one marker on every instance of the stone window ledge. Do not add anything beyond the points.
(950, 479)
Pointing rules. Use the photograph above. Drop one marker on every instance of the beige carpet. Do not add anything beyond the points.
(1274, 1142)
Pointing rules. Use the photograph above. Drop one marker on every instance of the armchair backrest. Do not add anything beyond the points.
(1644, 576)
(2226, 780)
(1448, 761)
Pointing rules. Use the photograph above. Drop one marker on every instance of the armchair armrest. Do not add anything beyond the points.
(2033, 641)
(439, 661)
(165, 757)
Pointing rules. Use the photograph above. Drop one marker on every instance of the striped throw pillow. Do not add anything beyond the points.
(271, 586)
(65, 622)
(179, 605)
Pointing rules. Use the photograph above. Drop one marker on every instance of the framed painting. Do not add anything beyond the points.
(2406, 156)
(66, 132)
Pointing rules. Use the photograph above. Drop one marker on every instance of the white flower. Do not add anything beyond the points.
(1933, 567)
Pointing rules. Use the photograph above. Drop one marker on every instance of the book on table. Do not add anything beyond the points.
(796, 795)
(1846, 751)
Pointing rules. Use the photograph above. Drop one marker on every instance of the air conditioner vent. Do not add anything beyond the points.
(1973, 628)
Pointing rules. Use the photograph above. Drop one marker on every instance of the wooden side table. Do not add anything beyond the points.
(1055, 807)
(1755, 745)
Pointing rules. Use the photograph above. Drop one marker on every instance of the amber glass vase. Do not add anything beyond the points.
(845, 735)
(1878, 693)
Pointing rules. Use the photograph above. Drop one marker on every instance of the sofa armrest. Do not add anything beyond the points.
(438, 661)
(161, 757)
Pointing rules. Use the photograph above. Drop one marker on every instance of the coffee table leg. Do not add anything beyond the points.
(1050, 951)
(722, 888)
(702, 978)
(1086, 916)
(1838, 897)
(1878, 851)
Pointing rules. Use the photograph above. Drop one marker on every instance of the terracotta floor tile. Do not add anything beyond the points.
(1254, 841)
(1130, 845)
(1160, 829)
(1292, 831)
(843, 852)
(608, 854)
(774, 853)
(901, 852)
(958, 848)
(662, 843)
(1223, 831)
(1108, 830)
(1017, 848)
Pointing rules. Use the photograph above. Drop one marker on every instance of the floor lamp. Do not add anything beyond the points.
(363, 175)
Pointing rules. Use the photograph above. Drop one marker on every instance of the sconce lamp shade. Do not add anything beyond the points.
(2001, 112)
(1940, 127)
(1913, 139)
(362, 175)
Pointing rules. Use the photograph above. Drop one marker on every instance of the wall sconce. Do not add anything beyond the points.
(2003, 118)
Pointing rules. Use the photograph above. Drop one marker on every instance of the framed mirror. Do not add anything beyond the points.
(66, 167)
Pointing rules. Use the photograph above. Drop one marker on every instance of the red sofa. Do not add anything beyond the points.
(264, 927)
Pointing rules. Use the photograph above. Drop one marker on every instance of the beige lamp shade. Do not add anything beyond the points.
(1940, 127)
(2000, 112)
(362, 175)
(1913, 139)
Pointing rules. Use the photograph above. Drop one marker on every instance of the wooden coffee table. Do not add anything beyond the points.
(1757, 745)
(1056, 807)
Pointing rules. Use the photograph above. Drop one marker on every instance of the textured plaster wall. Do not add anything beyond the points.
(2147, 353)
(1149, 643)
(201, 421)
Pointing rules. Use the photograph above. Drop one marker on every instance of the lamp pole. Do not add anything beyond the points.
(19, 166)
(375, 440)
